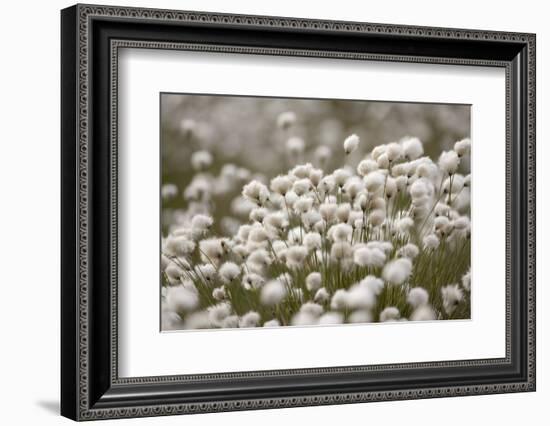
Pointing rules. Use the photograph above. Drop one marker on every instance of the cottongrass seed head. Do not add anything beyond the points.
(351, 143)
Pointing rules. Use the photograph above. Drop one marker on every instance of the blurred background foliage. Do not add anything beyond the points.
(243, 131)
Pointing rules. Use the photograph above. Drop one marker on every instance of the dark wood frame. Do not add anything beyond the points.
(90, 386)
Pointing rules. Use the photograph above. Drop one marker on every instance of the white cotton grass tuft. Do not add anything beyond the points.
(340, 299)
(343, 211)
(442, 209)
(322, 154)
(341, 251)
(188, 126)
(394, 151)
(179, 246)
(357, 216)
(341, 176)
(207, 272)
(197, 320)
(315, 176)
(294, 236)
(442, 224)
(312, 308)
(272, 293)
(219, 293)
(286, 120)
(260, 257)
(376, 217)
(448, 162)
(412, 148)
(431, 242)
(304, 319)
(331, 318)
(168, 191)
(258, 214)
(397, 271)
(218, 313)
(378, 151)
(360, 297)
(408, 250)
(461, 223)
(341, 232)
(256, 192)
(232, 321)
(250, 319)
(301, 171)
(419, 190)
(281, 184)
(276, 220)
(228, 272)
(211, 250)
(452, 295)
(401, 183)
(313, 241)
(383, 161)
(404, 224)
(272, 323)
(360, 317)
(181, 299)
(295, 145)
(295, 256)
(366, 166)
(353, 187)
(400, 169)
(302, 186)
(303, 205)
(164, 261)
(310, 220)
(423, 313)
(453, 184)
(258, 234)
(328, 211)
(201, 160)
(374, 181)
(374, 284)
(326, 185)
(369, 257)
(313, 281)
(377, 203)
(351, 143)
(170, 320)
(462, 147)
(241, 206)
(466, 280)
(321, 295)
(417, 297)
(390, 314)
(202, 222)
(173, 273)
(390, 187)
(290, 198)
(252, 281)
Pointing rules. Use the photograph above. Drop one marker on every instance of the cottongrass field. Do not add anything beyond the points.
(385, 240)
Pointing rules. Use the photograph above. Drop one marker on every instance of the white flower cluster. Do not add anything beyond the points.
(387, 240)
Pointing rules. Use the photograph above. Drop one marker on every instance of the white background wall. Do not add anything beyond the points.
(29, 213)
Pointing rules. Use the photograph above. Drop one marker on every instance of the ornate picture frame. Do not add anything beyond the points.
(91, 37)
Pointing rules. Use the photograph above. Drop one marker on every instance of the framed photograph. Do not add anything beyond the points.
(263, 212)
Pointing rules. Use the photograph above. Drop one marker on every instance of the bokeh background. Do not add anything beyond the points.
(243, 131)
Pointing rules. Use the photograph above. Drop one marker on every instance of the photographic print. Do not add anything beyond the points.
(322, 187)
(298, 212)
